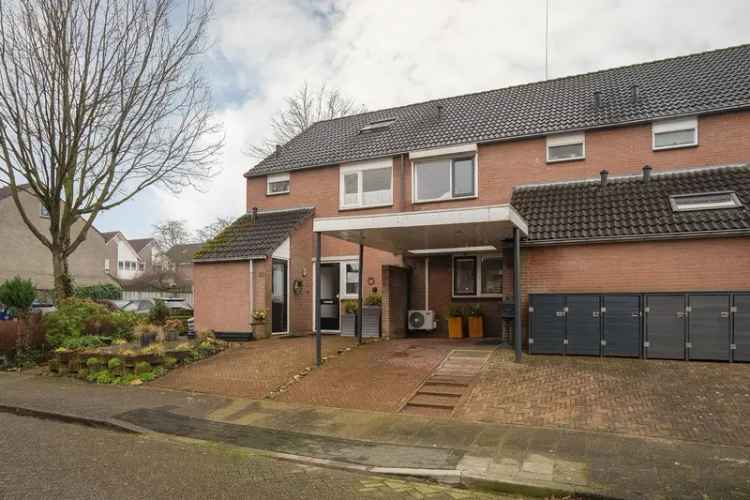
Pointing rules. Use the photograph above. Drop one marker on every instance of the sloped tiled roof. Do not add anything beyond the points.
(698, 83)
(140, 244)
(629, 208)
(245, 239)
(109, 235)
(183, 253)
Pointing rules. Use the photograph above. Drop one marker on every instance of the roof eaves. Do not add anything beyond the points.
(639, 237)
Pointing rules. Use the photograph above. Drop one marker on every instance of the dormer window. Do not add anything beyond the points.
(377, 125)
(704, 201)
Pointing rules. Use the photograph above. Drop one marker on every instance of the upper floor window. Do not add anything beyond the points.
(121, 265)
(566, 147)
(675, 133)
(477, 276)
(366, 184)
(277, 184)
(445, 179)
(43, 212)
(704, 201)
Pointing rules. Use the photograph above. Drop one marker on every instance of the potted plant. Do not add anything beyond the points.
(476, 321)
(349, 318)
(172, 329)
(455, 321)
(258, 323)
(371, 311)
(146, 334)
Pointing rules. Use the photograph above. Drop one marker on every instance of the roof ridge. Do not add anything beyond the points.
(626, 177)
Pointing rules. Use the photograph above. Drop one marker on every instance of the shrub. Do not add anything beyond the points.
(71, 319)
(159, 314)
(146, 334)
(82, 343)
(93, 364)
(99, 292)
(147, 376)
(170, 362)
(103, 377)
(83, 373)
(456, 311)
(204, 335)
(351, 306)
(125, 379)
(114, 364)
(474, 311)
(18, 295)
(374, 299)
(142, 367)
(124, 322)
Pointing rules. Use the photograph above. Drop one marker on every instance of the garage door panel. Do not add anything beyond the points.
(665, 326)
(622, 325)
(742, 327)
(548, 324)
(709, 326)
(583, 328)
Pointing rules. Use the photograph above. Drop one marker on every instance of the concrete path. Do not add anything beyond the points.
(510, 458)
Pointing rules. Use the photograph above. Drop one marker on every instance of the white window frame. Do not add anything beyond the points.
(566, 140)
(358, 168)
(478, 275)
(43, 213)
(271, 179)
(734, 202)
(674, 126)
(457, 157)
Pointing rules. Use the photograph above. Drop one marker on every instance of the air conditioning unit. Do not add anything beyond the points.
(422, 320)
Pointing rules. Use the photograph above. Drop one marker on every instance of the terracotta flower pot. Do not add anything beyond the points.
(476, 326)
(456, 327)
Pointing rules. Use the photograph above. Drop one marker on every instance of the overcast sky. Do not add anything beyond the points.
(387, 53)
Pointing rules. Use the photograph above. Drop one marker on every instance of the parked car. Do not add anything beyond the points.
(143, 306)
(43, 307)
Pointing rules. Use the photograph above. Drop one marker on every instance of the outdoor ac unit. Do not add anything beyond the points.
(422, 320)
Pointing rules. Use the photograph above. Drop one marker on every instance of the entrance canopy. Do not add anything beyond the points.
(428, 230)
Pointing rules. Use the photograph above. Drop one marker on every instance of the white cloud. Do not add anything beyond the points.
(388, 53)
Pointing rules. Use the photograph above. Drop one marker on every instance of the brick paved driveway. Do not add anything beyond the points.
(250, 370)
(696, 401)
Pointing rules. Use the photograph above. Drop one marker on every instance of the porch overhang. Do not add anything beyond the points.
(425, 230)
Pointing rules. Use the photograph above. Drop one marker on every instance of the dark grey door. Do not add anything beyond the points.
(709, 326)
(279, 295)
(742, 327)
(329, 297)
(548, 324)
(621, 325)
(665, 326)
(583, 325)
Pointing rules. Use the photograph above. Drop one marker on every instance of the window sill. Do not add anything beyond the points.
(441, 200)
(349, 209)
(277, 194)
(679, 146)
(565, 160)
(475, 297)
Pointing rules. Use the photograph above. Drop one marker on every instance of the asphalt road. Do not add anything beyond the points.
(47, 459)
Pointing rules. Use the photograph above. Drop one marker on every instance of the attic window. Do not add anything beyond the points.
(704, 201)
(377, 125)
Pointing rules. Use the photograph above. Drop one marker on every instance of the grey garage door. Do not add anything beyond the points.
(665, 326)
(621, 332)
(742, 327)
(547, 324)
(709, 326)
(583, 328)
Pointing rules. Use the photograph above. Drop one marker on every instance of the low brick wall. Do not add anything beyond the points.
(9, 331)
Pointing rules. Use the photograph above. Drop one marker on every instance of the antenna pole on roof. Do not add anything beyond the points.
(546, 43)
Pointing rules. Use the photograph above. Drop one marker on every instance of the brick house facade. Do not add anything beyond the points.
(509, 143)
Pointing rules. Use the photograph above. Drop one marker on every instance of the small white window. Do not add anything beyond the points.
(477, 276)
(672, 134)
(366, 184)
(566, 147)
(704, 201)
(106, 265)
(277, 184)
(445, 179)
(43, 212)
(351, 278)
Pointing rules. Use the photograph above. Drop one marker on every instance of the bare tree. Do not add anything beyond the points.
(303, 108)
(210, 231)
(99, 100)
(170, 233)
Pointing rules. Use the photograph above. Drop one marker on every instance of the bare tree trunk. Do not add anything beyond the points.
(60, 271)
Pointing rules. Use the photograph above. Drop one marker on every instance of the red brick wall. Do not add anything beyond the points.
(221, 296)
(720, 264)
(395, 285)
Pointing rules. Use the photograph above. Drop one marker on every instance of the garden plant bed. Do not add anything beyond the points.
(129, 363)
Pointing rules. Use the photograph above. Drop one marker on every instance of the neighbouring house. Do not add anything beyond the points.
(22, 254)
(615, 201)
(129, 259)
(179, 259)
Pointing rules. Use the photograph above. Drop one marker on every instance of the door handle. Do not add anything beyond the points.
(636, 315)
(680, 314)
(724, 314)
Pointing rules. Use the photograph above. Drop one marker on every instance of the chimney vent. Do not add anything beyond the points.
(440, 109)
(253, 215)
(604, 174)
(646, 173)
(635, 94)
(597, 99)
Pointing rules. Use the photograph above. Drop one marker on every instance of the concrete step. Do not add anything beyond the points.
(427, 411)
(434, 401)
(451, 380)
(442, 389)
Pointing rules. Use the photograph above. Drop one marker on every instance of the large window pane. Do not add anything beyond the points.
(492, 275)
(433, 180)
(376, 186)
(566, 152)
(278, 187)
(352, 279)
(465, 276)
(463, 177)
(676, 138)
(351, 189)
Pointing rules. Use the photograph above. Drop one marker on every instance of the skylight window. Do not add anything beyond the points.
(377, 125)
(704, 201)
